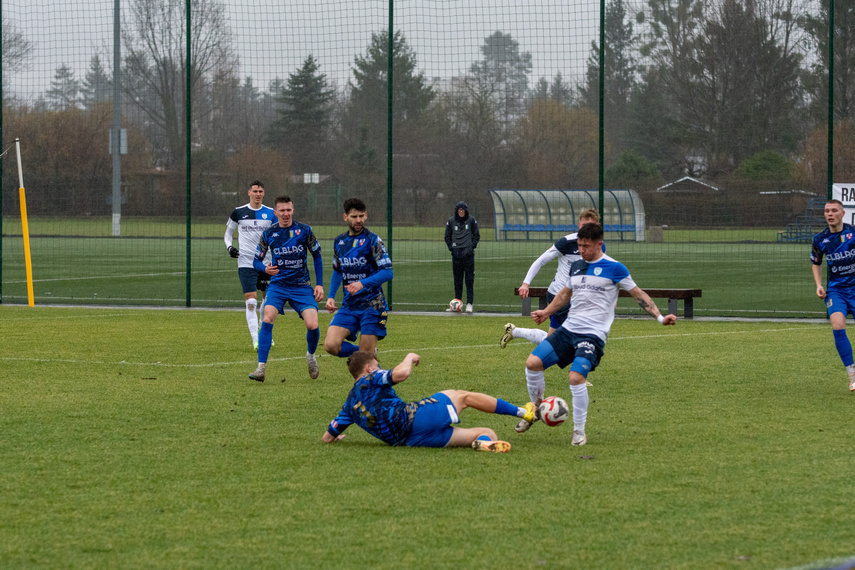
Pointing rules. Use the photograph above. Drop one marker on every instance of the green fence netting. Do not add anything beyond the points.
(715, 117)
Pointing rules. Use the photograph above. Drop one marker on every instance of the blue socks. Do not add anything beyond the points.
(312, 338)
(844, 348)
(347, 349)
(483, 438)
(265, 337)
(506, 409)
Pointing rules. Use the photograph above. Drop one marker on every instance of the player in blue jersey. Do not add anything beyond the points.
(250, 220)
(289, 243)
(566, 250)
(373, 405)
(837, 244)
(361, 264)
(579, 342)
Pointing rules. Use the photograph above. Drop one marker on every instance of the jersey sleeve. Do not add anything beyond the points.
(816, 253)
(382, 378)
(339, 423)
(544, 258)
(231, 226)
(622, 277)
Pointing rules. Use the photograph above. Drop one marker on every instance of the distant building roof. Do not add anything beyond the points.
(688, 184)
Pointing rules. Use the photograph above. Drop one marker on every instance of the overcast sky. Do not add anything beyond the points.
(273, 38)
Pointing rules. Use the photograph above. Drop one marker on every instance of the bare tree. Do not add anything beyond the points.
(154, 39)
(16, 49)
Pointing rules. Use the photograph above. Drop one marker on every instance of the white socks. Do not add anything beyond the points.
(532, 335)
(580, 406)
(536, 385)
(252, 318)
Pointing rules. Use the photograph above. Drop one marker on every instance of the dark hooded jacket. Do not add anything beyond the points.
(461, 233)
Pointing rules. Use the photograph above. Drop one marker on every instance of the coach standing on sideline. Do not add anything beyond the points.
(462, 237)
(837, 243)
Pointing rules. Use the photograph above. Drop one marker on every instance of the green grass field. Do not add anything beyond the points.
(132, 438)
(741, 272)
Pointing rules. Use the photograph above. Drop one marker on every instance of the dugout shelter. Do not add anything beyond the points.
(550, 214)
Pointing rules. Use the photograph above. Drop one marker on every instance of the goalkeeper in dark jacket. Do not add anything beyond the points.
(462, 237)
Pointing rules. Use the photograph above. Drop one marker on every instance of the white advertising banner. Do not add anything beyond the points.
(846, 194)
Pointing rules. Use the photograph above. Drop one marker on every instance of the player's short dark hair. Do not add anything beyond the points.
(256, 183)
(838, 202)
(356, 363)
(593, 232)
(281, 200)
(354, 204)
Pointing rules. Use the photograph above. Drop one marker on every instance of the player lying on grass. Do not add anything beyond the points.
(373, 405)
(580, 340)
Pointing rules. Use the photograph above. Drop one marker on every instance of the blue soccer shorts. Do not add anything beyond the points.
(251, 278)
(369, 321)
(557, 318)
(840, 301)
(300, 298)
(562, 347)
(432, 422)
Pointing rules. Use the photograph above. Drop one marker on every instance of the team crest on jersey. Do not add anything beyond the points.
(357, 242)
(848, 236)
(264, 216)
(293, 233)
(598, 270)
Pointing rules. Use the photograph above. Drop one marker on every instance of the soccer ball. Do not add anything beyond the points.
(553, 411)
(455, 305)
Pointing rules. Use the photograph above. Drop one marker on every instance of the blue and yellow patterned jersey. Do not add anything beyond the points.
(373, 405)
(839, 250)
(289, 248)
(362, 258)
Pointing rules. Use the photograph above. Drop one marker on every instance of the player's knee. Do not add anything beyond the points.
(534, 363)
(488, 432)
(331, 347)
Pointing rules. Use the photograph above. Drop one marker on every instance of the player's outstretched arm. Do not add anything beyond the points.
(645, 302)
(405, 368)
(559, 301)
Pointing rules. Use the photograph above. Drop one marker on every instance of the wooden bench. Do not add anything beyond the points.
(687, 295)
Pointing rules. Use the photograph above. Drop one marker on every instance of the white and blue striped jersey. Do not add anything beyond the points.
(249, 223)
(595, 288)
(289, 248)
(839, 250)
(566, 249)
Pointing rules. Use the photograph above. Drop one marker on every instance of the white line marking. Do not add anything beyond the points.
(423, 349)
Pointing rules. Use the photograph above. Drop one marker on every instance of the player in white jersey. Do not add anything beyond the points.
(250, 220)
(594, 282)
(567, 252)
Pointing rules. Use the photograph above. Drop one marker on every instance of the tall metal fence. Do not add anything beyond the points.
(716, 113)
